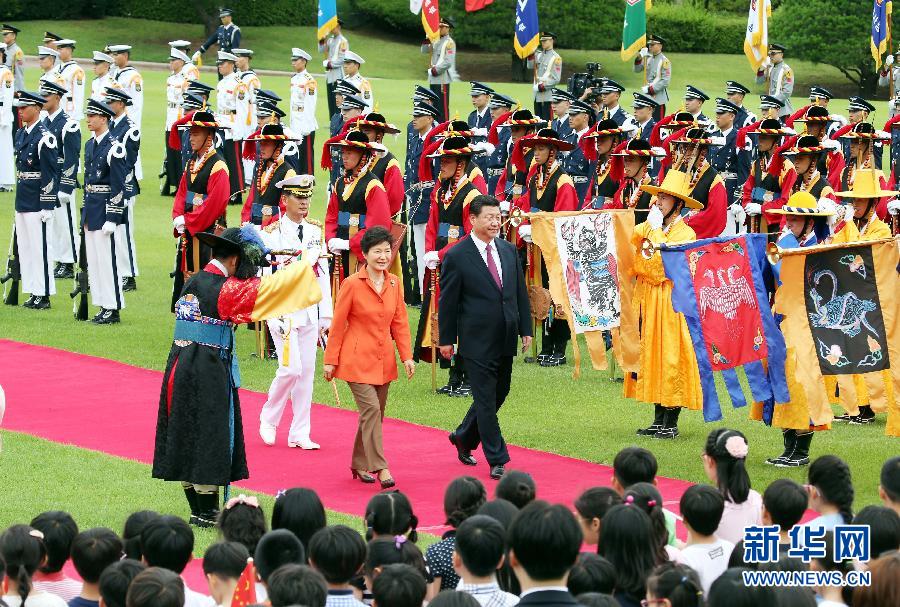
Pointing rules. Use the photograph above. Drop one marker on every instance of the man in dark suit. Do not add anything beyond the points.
(483, 307)
(544, 541)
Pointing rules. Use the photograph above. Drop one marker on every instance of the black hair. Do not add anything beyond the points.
(731, 474)
(596, 502)
(648, 498)
(591, 574)
(93, 551)
(338, 553)
(626, 541)
(398, 586)
(463, 497)
(294, 584)
(516, 487)
(242, 523)
(702, 508)
(890, 478)
(481, 543)
(131, 534)
(156, 587)
(784, 563)
(2, 575)
(677, 583)
(545, 540)
(276, 548)
(728, 590)
(59, 529)
(115, 580)
(595, 599)
(785, 501)
(884, 525)
(300, 511)
(454, 598)
(500, 510)
(374, 236)
(795, 596)
(23, 550)
(167, 542)
(634, 465)
(830, 475)
(225, 559)
(390, 513)
(481, 201)
(736, 559)
(383, 551)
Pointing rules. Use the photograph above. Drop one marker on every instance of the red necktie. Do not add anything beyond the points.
(492, 267)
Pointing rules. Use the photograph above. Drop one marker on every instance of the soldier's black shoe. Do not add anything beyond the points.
(41, 303)
(845, 417)
(109, 317)
(129, 284)
(462, 391)
(65, 271)
(57, 271)
(30, 302)
(98, 315)
(448, 389)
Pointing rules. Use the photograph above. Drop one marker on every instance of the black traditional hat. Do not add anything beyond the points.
(456, 145)
(549, 137)
(377, 121)
(605, 128)
(272, 132)
(200, 118)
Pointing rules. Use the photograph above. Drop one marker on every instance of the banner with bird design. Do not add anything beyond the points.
(722, 285)
(842, 315)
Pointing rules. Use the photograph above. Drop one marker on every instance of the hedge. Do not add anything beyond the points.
(581, 24)
(20, 10)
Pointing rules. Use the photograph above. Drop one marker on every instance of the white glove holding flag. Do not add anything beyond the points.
(645, 89)
(766, 63)
(753, 208)
(431, 259)
(504, 206)
(535, 87)
(889, 61)
(737, 211)
(325, 64)
(178, 224)
(525, 232)
(655, 218)
(46, 215)
(893, 206)
(108, 229)
(645, 52)
(65, 198)
(196, 56)
(336, 245)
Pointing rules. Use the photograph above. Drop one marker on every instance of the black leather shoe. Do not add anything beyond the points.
(462, 391)
(29, 303)
(448, 389)
(41, 303)
(64, 271)
(464, 455)
(497, 472)
(98, 315)
(129, 284)
(109, 317)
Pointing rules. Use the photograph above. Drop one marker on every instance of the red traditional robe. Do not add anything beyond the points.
(377, 213)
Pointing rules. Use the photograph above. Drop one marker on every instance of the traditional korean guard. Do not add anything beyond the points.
(263, 204)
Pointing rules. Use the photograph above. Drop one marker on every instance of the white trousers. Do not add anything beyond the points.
(7, 161)
(419, 234)
(126, 251)
(248, 170)
(66, 238)
(103, 274)
(293, 381)
(34, 254)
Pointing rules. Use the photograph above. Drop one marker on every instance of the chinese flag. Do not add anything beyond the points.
(431, 18)
(476, 5)
(245, 593)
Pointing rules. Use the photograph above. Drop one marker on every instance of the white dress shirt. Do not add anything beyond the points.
(482, 250)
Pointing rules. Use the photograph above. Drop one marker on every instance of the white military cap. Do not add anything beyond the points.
(175, 53)
(223, 56)
(299, 53)
(118, 48)
(45, 51)
(351, 56)
(98, 56)
(182, 44)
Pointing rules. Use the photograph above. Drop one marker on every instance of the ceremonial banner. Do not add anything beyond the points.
(756, 42)
(476, 5)
(841, 311)
(327, 17)
(881, 29)
(527, 35)
(719, 286)
(431, 19)
(589, 258)
(634, 30)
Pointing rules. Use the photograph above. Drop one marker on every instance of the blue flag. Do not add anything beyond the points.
(527, 33)
(881, 29)
(327, 17)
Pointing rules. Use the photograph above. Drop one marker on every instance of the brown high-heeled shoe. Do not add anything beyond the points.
(386, 483)
(363, 476)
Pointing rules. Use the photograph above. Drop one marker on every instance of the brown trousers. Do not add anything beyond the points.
(368, 451)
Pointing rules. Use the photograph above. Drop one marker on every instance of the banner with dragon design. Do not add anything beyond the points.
(721, 287)
(840, 305)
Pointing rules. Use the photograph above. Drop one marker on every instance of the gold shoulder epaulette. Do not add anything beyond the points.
(272, 226)
(314, 222)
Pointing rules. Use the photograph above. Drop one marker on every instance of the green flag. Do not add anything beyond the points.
(634, 32)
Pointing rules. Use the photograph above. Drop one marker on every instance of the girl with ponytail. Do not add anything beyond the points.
(22, 548)
(724, 459)
(462, 499)
(830, 492)
(390, 514)
(674, 585)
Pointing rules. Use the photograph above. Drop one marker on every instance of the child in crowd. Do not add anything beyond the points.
(294, 584)
(338, 553)
(516, 487)
(462, 499)
(884, 529)
(92, 552)
(590, 507)
(830, 492)
(115, 580)
(398, 586)
(242, 521)
(59, 529)
(591, 574)
(389, 514)
(729, 591)
(674, 585)
(889, 486)
(168, 543)
(453, 598)
(638, 465)
(300, 511)
(723, 460)
(832, 596)
(504, 512)
(480, 550)
(627, 541)
(595, 599)
(648, 498)
(223, 564)
(22, 549)
(702, 507)
(276, 548)
(384, 551)
(157, 587)
(131, 534)
(784, 502)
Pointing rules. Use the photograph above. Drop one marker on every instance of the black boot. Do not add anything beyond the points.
(129, 284)
(207, 510)
(658, 413)
(191, 494)
(65, 270)
(799, 455)
(669, 429)
(41, 303)
(790, 439)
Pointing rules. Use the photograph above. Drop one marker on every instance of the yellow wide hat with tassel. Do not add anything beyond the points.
(866, 184)
(676, 183)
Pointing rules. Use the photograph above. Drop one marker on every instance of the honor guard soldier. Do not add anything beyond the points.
(128, 79)
(179, 139)
(732, 164)
(705, 185)
(821, 96)
(442, 70)
(384, 165)
(817, 122)
(351, 108)
(7, 125)
(65, 239)
(102, 74)
(183, 72)
(263, 204)
(610, 93)
(501, 107)
(735, 92)
(201, 199)
(333, 46)
(779, 78)
(637, 157)
(693, 104)
(644, 108)
(352, 63)
(36, 196)
(547, 66)
(769, 107)
(859, 110)
(227, 36)
(15, 58)
(559, 106)
(227, 92)
(480, 118)
(71, 76)
(657, 73)
(47, 59)
(246, 118)
(418, 191)
(296, 335)
(771, 178)
(304, 94)
(577, 164)
(520, 123)
(268, 112)
(106, 168)
(596, 148)
(889, 76)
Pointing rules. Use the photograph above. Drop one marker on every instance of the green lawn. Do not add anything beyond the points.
(547, 410)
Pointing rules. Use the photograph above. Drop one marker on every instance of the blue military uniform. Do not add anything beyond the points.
(576, 163)
(858, 104)
(227, 37)
(561, 125)
(419, 195)
(480, 123)
(496, 160)
(124, 130)
(733, 165)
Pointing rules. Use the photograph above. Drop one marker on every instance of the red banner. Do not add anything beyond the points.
(476, 5)
(431, 19)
